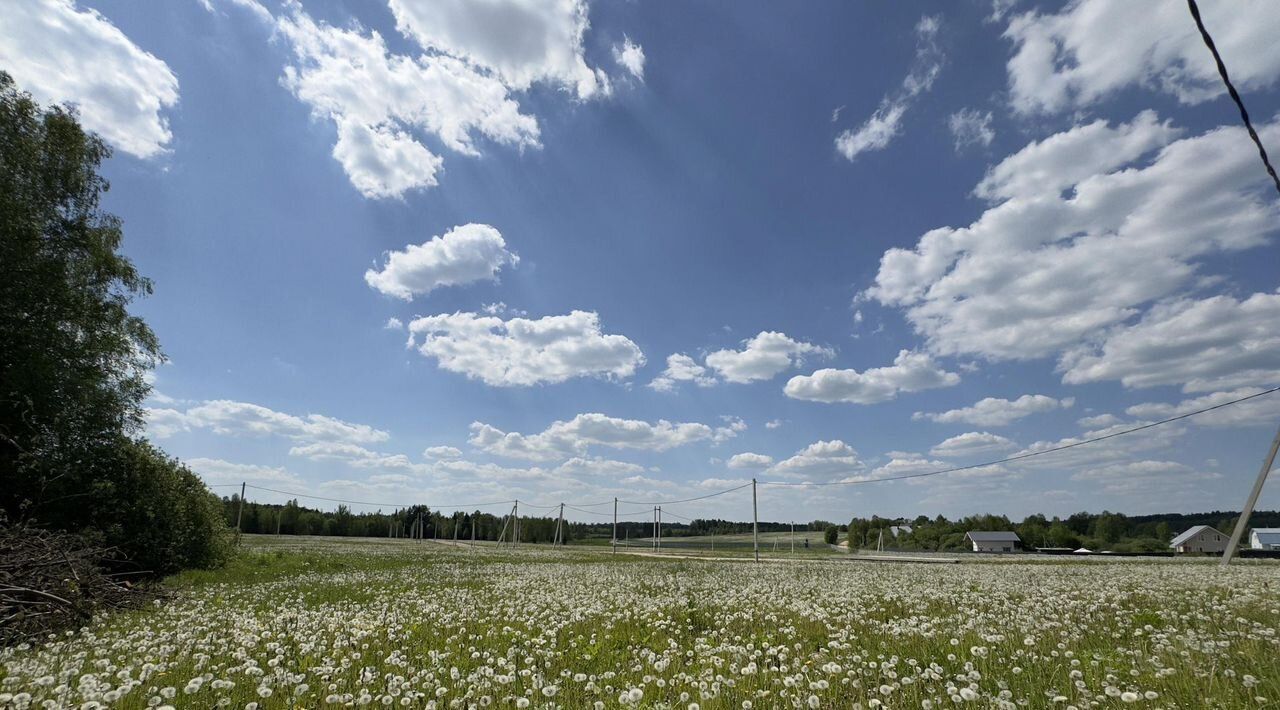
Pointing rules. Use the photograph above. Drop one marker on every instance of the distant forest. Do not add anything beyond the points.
(420, 521)
(1097, 531)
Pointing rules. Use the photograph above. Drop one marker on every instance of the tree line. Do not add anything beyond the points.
(417, 521)
(291, 518)
(1116, 532)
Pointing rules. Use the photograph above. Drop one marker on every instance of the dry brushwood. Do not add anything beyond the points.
(51, 581)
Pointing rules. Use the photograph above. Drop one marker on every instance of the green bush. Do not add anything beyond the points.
(832, 535)
(72, 378)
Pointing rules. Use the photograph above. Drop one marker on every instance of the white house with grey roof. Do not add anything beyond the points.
(1200, 538)
(993, 541)
(1265, 539)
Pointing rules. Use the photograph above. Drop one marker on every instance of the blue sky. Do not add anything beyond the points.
(442, 252)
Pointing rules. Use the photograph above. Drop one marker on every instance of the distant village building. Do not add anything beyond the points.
(1265, 539)
(998, 541)
(1200, 538)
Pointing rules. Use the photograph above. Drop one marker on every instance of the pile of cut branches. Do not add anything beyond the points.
(50, 581)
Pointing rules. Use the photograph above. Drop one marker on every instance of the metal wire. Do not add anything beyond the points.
(684, 500)
(388, 505)
(1019, 457)
(1231, 89)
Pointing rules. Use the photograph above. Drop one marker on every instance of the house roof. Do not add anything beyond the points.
(1270, 536)
(990, 536)
(1190, 533)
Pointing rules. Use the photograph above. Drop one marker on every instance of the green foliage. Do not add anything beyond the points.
(72, 376)
(160, 512)
(1097, 531)
(832, 535)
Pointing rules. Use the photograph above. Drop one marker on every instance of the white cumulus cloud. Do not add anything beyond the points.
(1260, 411)
(518, 41)
(995, 411)
(233, 418)
(910, 372)
(1094, 48)
(565, 439)
(763, 357)
(61, 54)
(749, 460)
(681, 368)
(1057, 263)
(464, 254)
(1202, 344)
(378, 100)
(972, 443)
(821, 459)
(218, 471)
(521, 351)
(442, 452)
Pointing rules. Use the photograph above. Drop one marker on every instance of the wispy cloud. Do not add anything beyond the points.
(880, 129)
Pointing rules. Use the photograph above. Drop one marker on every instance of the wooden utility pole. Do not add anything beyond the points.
(239, 511)
(653, 540)
(505, 521)
(659, 528)
(473, 530)
(755, 521)
(1252, 500)
(455, 529)
(793, 537)
(515, 537)
(615, 525)
(279, 518)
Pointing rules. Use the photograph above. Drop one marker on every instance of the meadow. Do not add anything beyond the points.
(300, 623)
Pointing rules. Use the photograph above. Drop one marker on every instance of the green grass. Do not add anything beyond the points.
(309, 620)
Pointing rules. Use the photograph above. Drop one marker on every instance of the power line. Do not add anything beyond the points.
(1231, 89)
(544, 507)
(579, 506)
(388, 505)
(685, 500)
(607, 515)
(1019, 457)
(666, 513)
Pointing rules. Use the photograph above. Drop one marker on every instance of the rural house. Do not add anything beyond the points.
(1265, 539)
(1200, 538)
(998, 541)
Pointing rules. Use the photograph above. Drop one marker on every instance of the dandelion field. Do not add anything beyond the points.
(326, 623)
